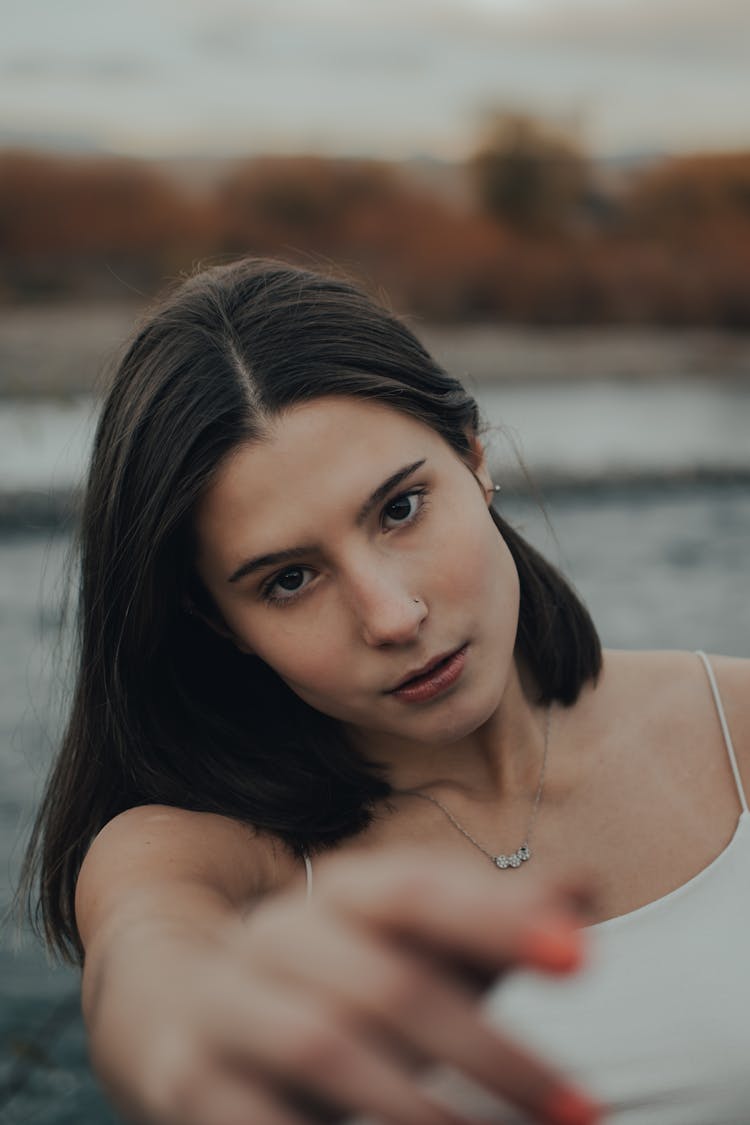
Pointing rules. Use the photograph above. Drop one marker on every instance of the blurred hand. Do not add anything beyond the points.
(304, 1012)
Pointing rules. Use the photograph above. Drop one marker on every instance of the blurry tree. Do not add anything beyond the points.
(369, 217)
(674, 250)
(93, 225)
(698, 209)
(303, 202)
(530, 175)
(693, 195)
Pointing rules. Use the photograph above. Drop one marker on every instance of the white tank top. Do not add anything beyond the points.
(658, 1025)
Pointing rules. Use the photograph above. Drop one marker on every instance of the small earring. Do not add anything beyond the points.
(497, 488)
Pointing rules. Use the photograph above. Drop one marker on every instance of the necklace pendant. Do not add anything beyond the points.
(515, 860)
(522, 854)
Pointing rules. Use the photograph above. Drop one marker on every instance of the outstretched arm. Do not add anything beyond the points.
(213, 999)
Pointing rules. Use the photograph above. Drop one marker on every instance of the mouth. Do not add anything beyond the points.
(431, 679)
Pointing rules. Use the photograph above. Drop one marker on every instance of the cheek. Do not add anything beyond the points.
(477, 571)
(310, 655)
(319, 676)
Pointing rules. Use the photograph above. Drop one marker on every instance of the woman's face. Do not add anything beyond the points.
(351, 549)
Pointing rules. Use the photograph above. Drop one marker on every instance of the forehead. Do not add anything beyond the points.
(317, 461)
(347, 425)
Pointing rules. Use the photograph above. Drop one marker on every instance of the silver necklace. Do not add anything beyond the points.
(522, 853)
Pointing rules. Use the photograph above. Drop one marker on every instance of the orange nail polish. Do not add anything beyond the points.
(557, 948)
(568, 1107)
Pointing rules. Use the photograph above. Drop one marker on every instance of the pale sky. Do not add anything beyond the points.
(383, 77)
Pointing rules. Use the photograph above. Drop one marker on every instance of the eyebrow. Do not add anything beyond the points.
(260, 562)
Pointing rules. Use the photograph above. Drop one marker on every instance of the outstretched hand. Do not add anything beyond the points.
(306, 1011)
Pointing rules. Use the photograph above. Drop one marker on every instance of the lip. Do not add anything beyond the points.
(431, 679)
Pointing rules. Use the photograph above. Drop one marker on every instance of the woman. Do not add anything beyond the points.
(321, 683)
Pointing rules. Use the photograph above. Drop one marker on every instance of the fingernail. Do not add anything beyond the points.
(568, 1107)
(556, 947)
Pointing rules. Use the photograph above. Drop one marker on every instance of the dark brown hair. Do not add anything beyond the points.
(166, 711)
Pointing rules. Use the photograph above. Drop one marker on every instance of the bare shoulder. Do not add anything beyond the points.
(158, 845)
(676, 682)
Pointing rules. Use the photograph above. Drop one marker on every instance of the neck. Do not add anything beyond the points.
(499, 760)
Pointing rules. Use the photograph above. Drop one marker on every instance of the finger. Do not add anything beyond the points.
(359, 1077)
(303, 1047)
(229, 1100)
(445, 1026)
(462, 912)
(435, 1020)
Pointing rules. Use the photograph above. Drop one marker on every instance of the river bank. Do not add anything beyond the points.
(62, 350)
(568, 435)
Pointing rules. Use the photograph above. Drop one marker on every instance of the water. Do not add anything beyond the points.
(45, 443)
(590, 432)
(580, 431)
(662, 563)
(44, 1076)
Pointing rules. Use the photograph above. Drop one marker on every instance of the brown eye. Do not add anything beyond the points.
(401, 508)
(291, 580)
(285, 586)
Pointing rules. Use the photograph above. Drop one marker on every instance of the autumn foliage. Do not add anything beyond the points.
(531, 231)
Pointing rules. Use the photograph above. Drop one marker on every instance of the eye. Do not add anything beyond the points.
(285, 586)
(403, 509)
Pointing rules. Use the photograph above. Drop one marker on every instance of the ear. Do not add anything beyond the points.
(477, 462)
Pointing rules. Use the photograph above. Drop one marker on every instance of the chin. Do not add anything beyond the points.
(455, 722)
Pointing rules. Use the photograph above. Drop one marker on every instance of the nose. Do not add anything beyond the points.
(387, 611)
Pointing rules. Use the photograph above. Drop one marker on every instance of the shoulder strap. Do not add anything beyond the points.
(724, 729)
(308, 875)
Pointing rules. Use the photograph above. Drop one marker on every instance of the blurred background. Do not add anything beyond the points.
(555, 193)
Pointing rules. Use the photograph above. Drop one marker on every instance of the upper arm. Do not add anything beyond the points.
(149, 853)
